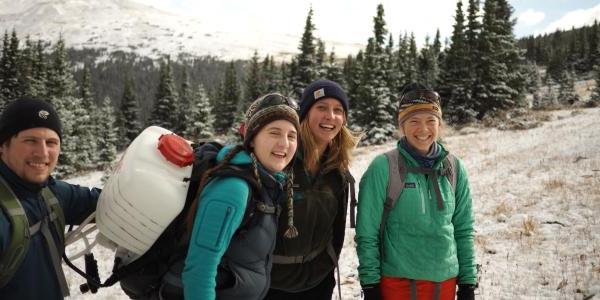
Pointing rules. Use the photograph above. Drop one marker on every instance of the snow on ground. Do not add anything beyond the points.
(536, 199)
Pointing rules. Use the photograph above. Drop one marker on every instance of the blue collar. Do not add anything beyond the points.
(426, 161)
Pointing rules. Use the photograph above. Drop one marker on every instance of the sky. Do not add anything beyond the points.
(351, 20)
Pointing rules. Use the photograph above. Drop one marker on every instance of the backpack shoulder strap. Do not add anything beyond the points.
(55, 212)
(451, 170)
(395, 185)
(11, 258)
(349, 179)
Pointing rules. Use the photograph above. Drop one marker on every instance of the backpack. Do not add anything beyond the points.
(143, 277)
(397, 171)
(21, 233)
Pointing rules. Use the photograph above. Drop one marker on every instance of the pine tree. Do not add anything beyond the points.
(9, 69)
(512, 57)
(595, 98)
(37, 85)
(472, 32)
(166, 106)
(253, 81)
(107, 137)
(130, 125)
(374, 93)
(304, 72)
(566, 92)
(402, 62)
(185, 104)
(60, 91)
(332, 70)
(428, 71)
(200, 116)
(549, 100)
(271, 77)
(226, 108)
(353, 73)
(85, 127)
(60, 82)
(500, 81)
(411, 60)
(320, 60)
(594, 45)
(455, 75)
(26, 61)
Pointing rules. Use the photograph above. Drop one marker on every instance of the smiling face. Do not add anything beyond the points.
(325, 120)
(421, 131)
(275, 145)
(32, 154)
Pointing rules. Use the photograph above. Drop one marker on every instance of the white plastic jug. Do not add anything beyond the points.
(146, 191)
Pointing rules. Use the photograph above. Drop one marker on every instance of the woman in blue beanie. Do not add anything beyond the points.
(311, 230)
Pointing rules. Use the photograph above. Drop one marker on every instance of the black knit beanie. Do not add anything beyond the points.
(266, 109)
(320, 89)
(26, 113)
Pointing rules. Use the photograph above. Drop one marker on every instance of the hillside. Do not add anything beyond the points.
(536, 199)
(133, 27)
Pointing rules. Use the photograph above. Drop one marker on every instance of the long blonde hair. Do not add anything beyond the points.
(340, 150)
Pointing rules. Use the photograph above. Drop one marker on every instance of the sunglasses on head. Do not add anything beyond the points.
(278, 99)
(425, 96)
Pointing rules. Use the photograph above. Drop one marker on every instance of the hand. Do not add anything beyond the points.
(372, 292)
(465, 292)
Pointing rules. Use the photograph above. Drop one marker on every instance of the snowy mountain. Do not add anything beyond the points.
(536, 198)
(131, 26)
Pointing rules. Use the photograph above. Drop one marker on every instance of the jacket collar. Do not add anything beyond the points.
(17, 182)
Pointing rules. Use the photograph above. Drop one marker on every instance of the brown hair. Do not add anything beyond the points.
(340, 149)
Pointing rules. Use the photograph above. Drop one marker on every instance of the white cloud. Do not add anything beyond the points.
(576, 18)
(530, 17)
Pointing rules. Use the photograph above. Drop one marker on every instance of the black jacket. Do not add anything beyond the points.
(320, 206)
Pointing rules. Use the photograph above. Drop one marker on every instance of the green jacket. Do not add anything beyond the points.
(420, 241)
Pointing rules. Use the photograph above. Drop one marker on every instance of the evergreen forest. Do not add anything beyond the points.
(106, 98)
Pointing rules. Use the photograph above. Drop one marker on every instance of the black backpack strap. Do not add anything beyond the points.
(352, 187)
(396, 177)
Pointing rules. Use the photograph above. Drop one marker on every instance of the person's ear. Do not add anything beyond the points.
(242, 129)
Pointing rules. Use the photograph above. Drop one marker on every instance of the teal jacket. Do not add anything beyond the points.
(420, 241)
(220, 212)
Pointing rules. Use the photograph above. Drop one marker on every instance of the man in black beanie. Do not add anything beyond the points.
(35, 206)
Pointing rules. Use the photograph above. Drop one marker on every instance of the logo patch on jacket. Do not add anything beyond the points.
(410, 185)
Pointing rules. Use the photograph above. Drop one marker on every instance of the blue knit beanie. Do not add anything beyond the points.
(320, 89)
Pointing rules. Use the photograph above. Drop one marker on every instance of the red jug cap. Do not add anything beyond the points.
(176, 149)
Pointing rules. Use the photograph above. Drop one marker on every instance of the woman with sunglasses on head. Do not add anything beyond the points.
(418, 242)
(229, 254)
(311, 230)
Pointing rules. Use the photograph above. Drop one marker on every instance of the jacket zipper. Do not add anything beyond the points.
(422, 200)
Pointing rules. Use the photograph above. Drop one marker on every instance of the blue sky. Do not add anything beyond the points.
(561, 12)
(351, 20)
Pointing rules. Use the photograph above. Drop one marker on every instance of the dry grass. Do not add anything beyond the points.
(529, 225)
(502, 208)
(554, 184)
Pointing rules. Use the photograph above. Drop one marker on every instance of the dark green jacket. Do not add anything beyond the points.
(320, 205)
